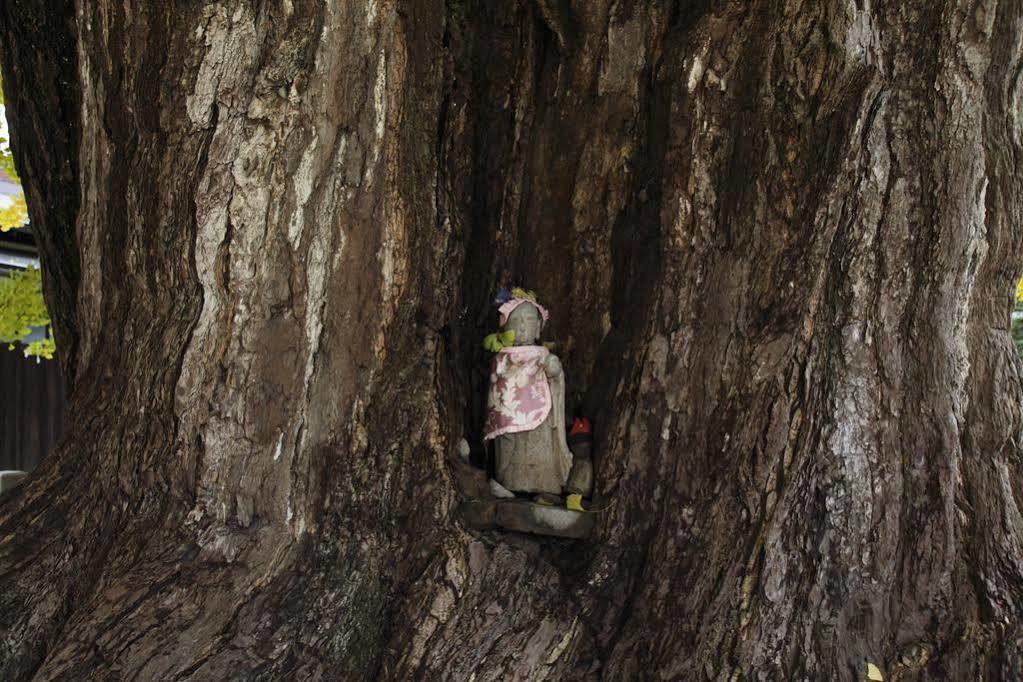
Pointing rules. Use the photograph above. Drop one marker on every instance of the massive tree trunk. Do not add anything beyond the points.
(778, 240)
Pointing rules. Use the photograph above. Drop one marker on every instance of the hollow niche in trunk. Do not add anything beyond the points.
(526, 415)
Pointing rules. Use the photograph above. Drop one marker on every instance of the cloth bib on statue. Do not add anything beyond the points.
(520, 397)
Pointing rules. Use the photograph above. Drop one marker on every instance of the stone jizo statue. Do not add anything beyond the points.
(526, 404)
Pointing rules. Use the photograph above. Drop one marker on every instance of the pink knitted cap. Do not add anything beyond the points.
(505, 310)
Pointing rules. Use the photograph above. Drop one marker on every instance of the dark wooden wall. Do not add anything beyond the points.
(32, 409)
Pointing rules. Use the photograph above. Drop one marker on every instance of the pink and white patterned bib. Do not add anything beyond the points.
(520, 396)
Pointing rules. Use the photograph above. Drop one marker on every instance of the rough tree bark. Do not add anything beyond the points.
(778, 239)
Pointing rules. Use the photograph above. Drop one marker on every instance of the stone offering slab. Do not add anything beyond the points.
(9, 479)
(524, 516)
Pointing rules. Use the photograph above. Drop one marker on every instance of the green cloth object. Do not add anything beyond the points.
(498, 340)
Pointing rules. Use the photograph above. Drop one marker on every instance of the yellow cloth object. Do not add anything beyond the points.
(519, 292)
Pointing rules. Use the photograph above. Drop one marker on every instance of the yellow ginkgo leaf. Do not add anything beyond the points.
(874, 673)
(575, 502)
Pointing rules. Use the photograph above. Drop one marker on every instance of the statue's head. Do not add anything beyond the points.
(525, 320)
(519, 312)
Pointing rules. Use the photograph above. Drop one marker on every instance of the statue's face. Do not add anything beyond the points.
(525, 322)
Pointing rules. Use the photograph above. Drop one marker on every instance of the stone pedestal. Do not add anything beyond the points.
(524, 516)
(9, 479)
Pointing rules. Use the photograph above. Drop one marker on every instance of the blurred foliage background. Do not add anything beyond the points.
(24, 320)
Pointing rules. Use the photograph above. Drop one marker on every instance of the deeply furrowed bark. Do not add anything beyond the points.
(778, 240)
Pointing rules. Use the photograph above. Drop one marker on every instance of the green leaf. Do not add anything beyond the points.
(7, 162)
(21, 308)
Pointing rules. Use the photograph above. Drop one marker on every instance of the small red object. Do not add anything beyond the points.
(581, 425)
